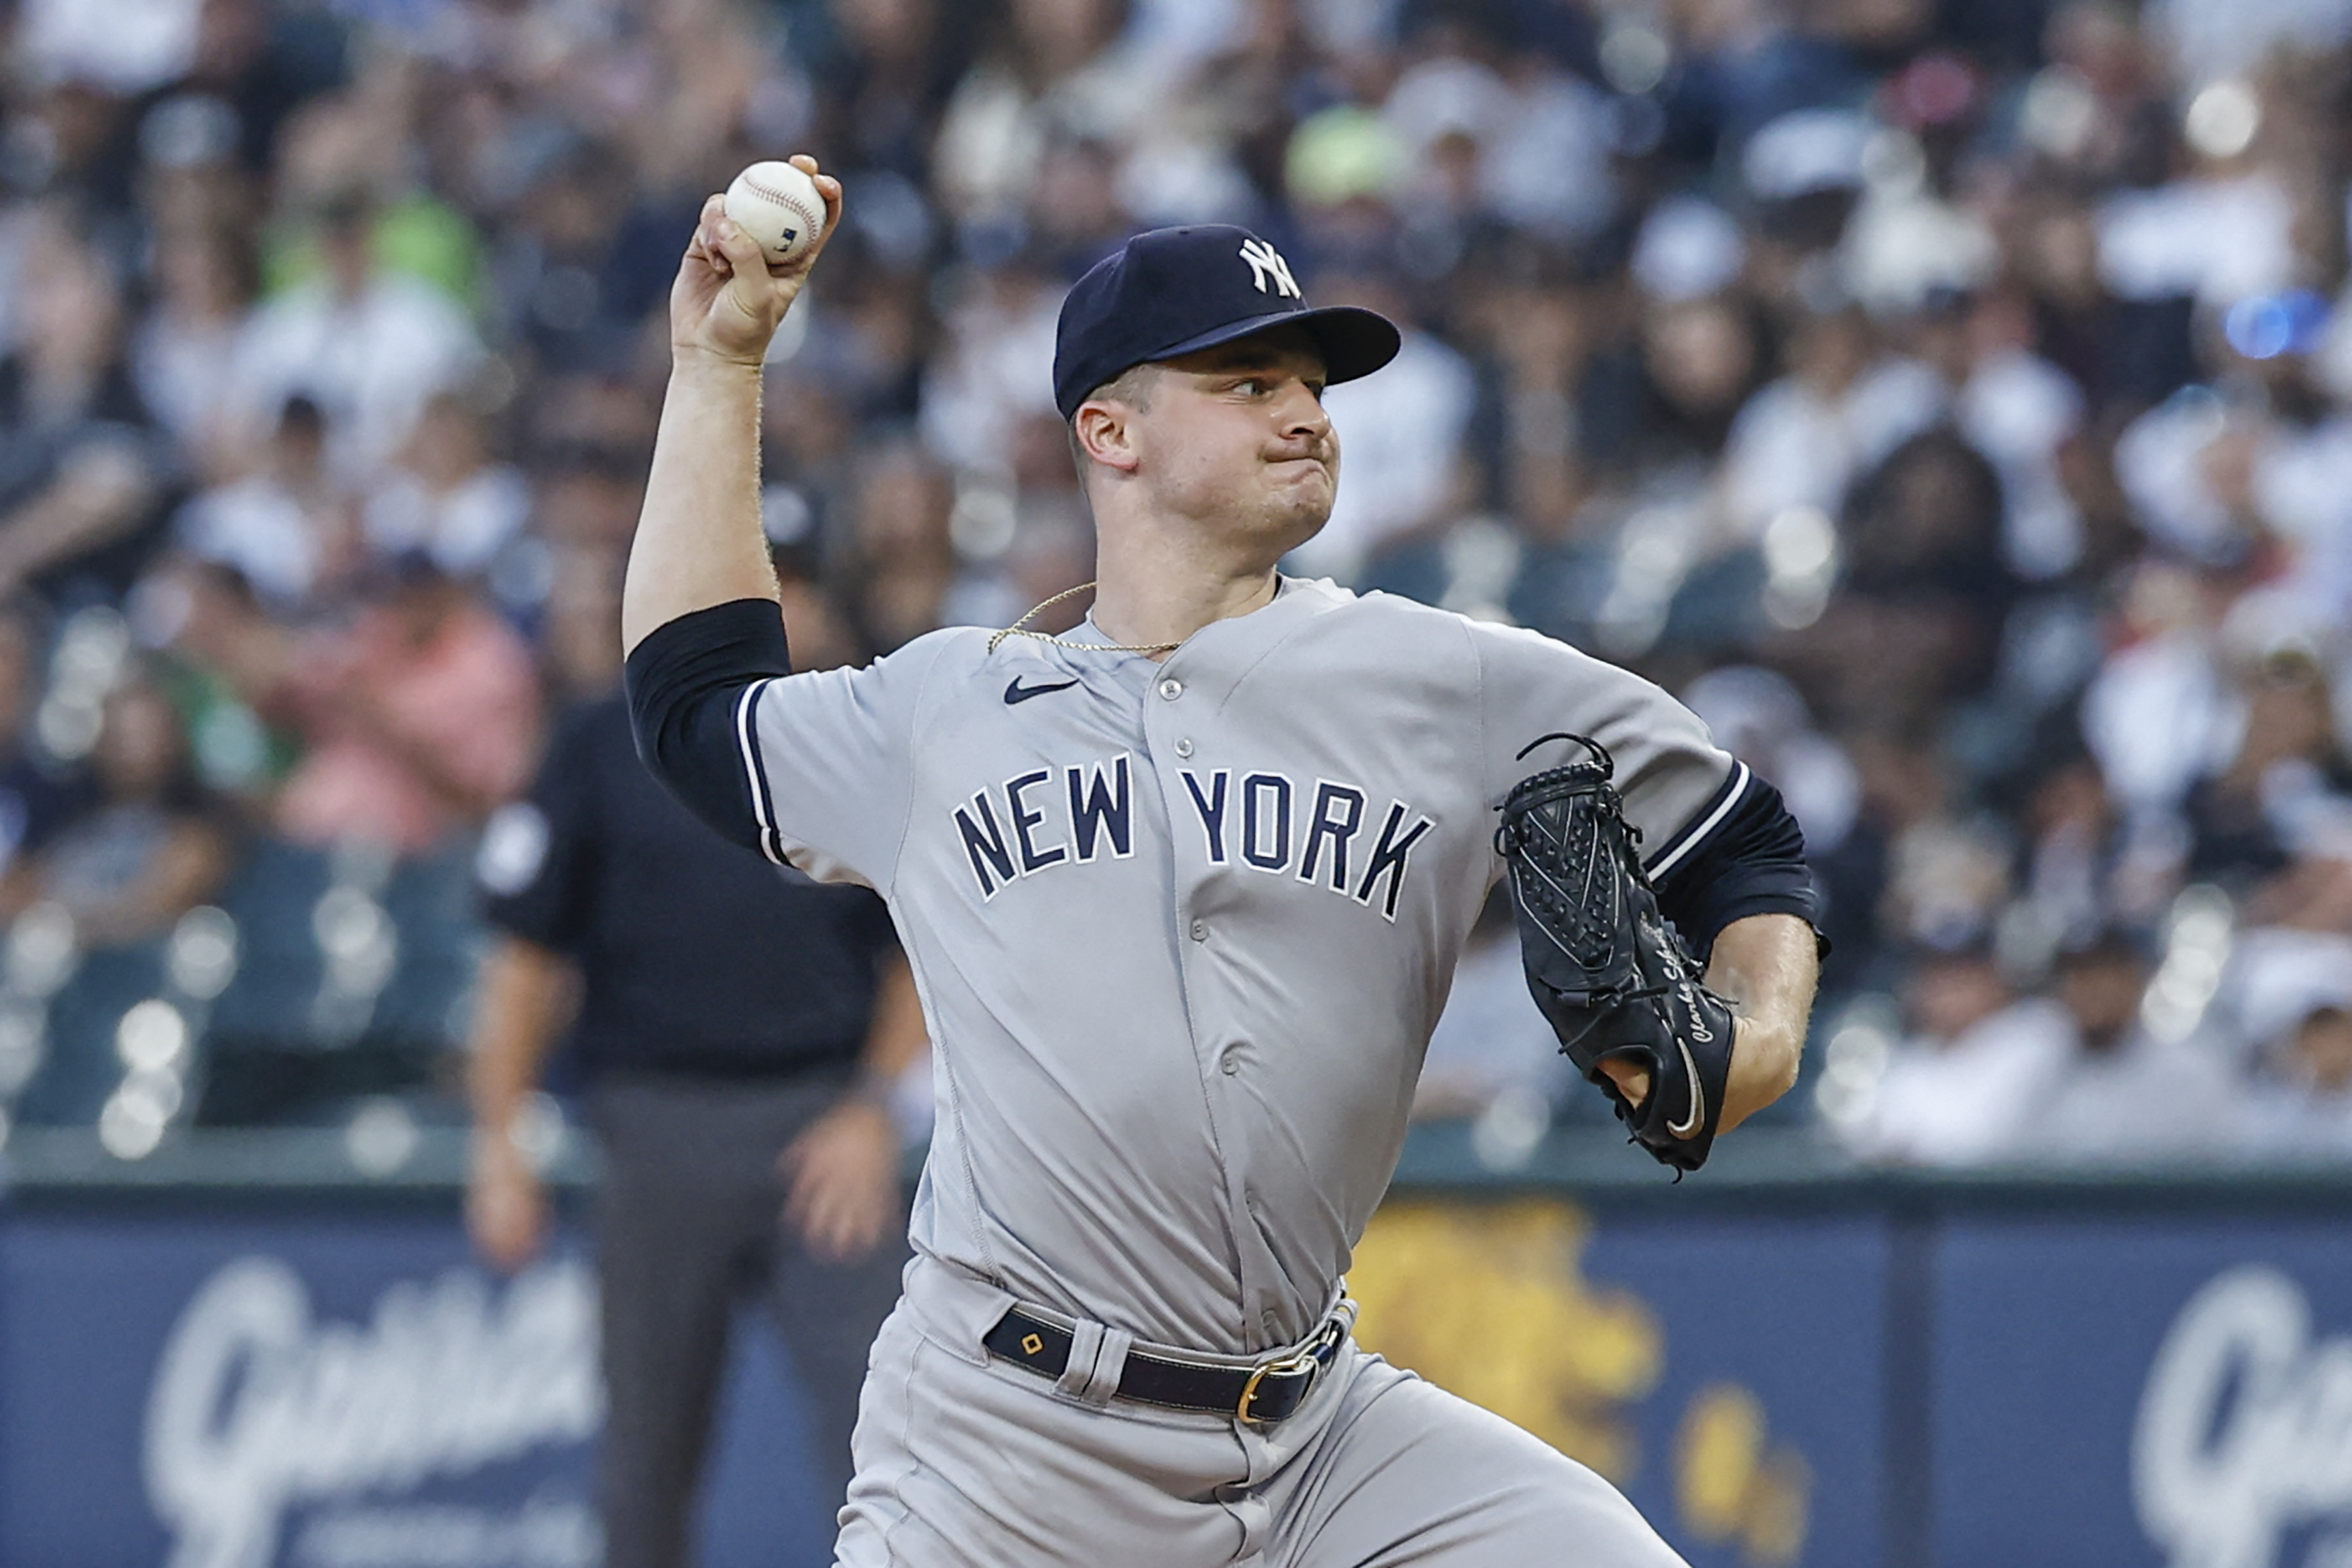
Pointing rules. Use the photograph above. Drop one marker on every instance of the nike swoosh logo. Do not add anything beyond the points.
(1016, 692)
(1698, 1099)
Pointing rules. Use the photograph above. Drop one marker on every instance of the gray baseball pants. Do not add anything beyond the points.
(964, 1461)
(689, 1223)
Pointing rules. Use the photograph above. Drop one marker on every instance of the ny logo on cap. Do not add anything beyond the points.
(1266, 262)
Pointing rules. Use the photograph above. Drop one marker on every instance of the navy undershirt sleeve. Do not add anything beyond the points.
(1753, 863)
(686, 682)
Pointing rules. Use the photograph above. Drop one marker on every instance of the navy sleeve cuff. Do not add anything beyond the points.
(1745, 857)
(692, 683)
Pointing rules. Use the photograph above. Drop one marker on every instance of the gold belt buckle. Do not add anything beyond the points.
(1298, 1362)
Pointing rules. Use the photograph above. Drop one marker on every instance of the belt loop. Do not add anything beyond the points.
(1110, 1365)
(1085, 1339)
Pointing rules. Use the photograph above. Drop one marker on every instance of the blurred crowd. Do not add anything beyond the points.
(1952, 402)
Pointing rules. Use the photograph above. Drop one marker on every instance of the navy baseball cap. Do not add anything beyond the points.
(1173, 290)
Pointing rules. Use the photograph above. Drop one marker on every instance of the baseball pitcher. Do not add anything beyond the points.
(1182, 892)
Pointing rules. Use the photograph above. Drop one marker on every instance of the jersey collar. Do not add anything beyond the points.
(1290, 594)
(1214, 659)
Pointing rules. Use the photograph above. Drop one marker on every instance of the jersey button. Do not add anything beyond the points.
(1171, 688)
(1183, 747)
(1200, 930)
(1230, 1062)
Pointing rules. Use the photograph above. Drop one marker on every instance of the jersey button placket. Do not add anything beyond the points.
(1170, 690)
(1209, 998)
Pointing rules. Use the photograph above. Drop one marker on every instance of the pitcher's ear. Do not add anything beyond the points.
(1102, 432)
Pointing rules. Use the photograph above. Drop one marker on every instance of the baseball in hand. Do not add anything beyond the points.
(778, 206)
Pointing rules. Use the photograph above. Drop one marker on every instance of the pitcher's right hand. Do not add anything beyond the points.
(728, 301)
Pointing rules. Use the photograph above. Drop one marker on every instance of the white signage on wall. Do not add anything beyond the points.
(259, 1408)
(2246, 1426)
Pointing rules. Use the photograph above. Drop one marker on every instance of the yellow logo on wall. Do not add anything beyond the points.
(1733, 1487)
(1490, 1302)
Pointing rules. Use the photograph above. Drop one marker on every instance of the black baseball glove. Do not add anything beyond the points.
(1610, 975)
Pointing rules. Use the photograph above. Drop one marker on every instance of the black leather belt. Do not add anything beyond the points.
(1262, 1394)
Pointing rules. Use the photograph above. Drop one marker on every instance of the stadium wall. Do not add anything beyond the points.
(234, 1355)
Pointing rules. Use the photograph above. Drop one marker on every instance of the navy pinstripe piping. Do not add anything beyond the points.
(1704, 824)
(755, 774)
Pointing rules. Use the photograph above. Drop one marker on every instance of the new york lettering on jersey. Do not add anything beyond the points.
(1267, 833)
(1259, 818)
(1023, 826)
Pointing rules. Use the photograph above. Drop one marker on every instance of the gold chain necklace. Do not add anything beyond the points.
(1020, 629)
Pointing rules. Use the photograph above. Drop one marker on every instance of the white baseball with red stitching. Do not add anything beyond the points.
(778, 206)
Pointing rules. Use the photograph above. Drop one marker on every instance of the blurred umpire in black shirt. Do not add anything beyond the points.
(735, 1033)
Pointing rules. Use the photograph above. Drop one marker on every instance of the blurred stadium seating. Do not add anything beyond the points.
(1950, 402)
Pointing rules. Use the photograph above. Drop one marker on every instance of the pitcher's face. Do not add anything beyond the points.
(1235, 437)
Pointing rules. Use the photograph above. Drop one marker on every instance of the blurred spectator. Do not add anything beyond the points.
(561, 285)
(895, 70)
(994, 367)
(1843, 407)
(2071, 877)
(90, 43)
(2125, 1094)
(2156, 713)
(2294, 1007)
(1534, 141)
(39, 793)
(587, 496)
(2096, 111)
(1946, 865)
(287, 527)
(1538, 338)
(806, 443)
(260, 63)
(82, 468)
(204, 282)
(580, 658)
(2210, 40)
(2287, 791)
(2305, 1112)
(1914, 238)
(447, 497)
(220, 657)
(368, 345)
(153, 846)
(2220, 471)
(1074, 214)
(1701, 359)
(1979, 1061)
(2018, 410)
(905, 563)
(1917, 626)
(1047, 65)
(420, 717)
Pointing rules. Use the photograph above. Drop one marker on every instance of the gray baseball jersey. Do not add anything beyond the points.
(1183, 929)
